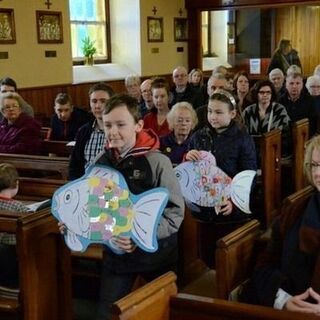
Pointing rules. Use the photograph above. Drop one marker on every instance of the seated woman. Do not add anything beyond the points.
(241, 89)
(181, 119)
(19, 133)
(156, 119)
(67, 119)
(266, 114)
(287, 274)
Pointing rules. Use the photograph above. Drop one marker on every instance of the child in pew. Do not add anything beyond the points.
(234, 151)
(287, 273)
(134, 152)
(9, 185)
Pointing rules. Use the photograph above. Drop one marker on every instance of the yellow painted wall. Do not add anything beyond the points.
(27, 63)
(168, 57)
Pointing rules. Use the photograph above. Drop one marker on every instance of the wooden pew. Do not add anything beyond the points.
(270, 148)
(236, 253)
(37, 189)
(55, 148)
(27, 165)
(158, 300)
(44, 268)
(234, 258)
(300, 135)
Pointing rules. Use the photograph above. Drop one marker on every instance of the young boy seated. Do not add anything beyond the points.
(9, 185)
(67, 119)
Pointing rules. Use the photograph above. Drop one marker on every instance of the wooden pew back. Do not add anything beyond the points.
(37, 189)
(31, 163)
(55, 148)
(148, 302)
(270, 148)
(44, 267)
(234, 258)
(158, 300)
(189, 307)
(300, 135)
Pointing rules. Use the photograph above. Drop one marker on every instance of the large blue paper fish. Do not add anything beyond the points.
(204, 184)
(98, 207)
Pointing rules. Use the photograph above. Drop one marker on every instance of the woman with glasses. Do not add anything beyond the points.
(19, 133)
(265, 114)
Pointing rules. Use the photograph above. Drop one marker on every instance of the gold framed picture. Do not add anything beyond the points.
(49, 26)
(180, 29)
(155, 29)
(7, 27)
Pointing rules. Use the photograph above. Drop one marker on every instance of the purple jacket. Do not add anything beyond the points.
(21, 137)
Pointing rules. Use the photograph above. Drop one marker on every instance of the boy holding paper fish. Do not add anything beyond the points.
(133, 151)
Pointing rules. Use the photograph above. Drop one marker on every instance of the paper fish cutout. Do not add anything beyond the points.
(99, 206)
(204, 184)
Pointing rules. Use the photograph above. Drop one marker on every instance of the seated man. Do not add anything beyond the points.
(287, 273)
(9, 85)
(67, 119)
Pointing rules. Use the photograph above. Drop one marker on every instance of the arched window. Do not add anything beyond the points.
(90, 18)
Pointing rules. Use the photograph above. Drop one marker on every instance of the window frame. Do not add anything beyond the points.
(78, 62)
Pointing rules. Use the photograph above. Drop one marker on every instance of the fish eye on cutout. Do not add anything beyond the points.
(68, 196)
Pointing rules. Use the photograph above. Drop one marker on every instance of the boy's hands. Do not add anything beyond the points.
(125, 244)
(298, 303)
(62, 227)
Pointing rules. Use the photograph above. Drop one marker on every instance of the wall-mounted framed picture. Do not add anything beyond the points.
(180, 29)
(155, 29)
(49, 26)
(7, 27)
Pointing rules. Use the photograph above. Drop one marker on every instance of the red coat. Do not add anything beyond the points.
(23, 136)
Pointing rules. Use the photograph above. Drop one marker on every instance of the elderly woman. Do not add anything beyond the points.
(276, 76)
(181, 119)
(313, 85)
(19, 133)
(287, 272)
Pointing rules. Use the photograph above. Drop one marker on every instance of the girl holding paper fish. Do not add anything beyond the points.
(233, 149)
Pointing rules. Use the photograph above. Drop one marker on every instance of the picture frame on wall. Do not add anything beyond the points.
(180, 29)
(7, 26)
(49, 26)
(155, 29)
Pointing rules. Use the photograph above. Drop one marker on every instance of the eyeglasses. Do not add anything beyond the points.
(312, 165)
(6, 108)
(264, 92)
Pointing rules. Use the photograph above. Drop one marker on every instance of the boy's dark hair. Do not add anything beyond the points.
(123, 99)
(101, 86)
(63, 98)
(8, 82)
(8, 176)
(158, 83)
